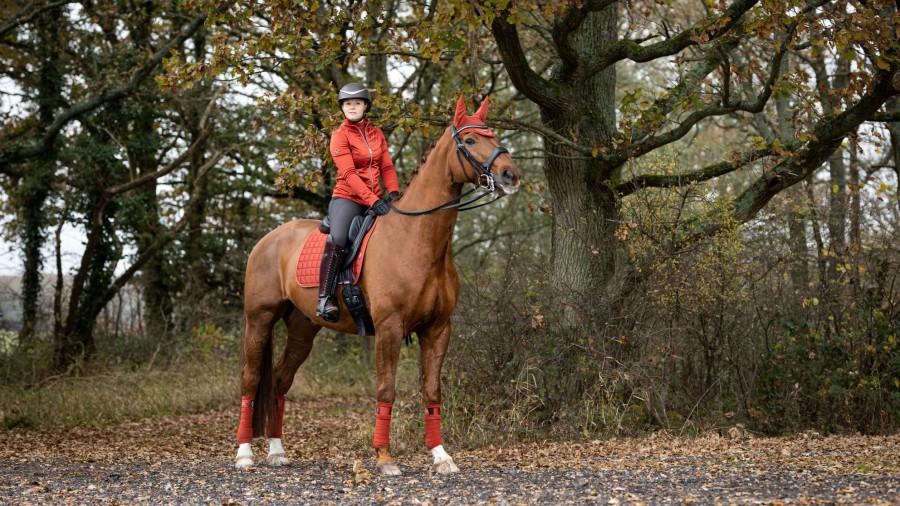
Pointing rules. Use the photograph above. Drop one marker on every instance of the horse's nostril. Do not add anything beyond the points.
(508, 176)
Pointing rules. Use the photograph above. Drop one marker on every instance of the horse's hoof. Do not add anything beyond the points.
(388, 469)
(278, 460)
(243, 463)
(445, 467)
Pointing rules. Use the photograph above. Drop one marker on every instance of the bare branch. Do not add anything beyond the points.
(828, 134)
(755, 106)
(7, 159)
(166, 237)
(706, 30)
(532, 85)
(886, 117)
(23, 18)
(546, 133)
(299, 193)
(178, 162)
(704, 174)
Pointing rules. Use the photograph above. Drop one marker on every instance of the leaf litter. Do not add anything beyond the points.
(189, 459)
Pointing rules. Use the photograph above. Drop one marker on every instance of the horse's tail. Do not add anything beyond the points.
(266, 399)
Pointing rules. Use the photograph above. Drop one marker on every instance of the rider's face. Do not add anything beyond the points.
(354, 109)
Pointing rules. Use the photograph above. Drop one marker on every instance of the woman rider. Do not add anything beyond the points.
(361, 155)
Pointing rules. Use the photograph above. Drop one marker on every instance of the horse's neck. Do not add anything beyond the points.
(432, 187)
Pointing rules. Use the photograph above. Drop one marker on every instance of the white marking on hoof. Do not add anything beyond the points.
(388, 469)
(244, 458)
(276, 455)
(443, 463)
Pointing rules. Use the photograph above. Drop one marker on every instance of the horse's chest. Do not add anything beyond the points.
(436, 293)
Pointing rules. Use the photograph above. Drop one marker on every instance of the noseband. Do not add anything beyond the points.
(482, 173)
(482, 170)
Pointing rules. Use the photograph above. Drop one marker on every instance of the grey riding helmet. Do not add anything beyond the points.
(355, 90)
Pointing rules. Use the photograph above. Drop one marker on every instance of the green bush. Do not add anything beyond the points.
(844, 379)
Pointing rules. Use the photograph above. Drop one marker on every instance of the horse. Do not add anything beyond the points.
(408, 280)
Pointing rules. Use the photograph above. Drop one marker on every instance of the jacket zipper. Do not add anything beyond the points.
(371, 158)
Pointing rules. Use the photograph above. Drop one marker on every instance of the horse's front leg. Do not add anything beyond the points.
(387, 354)
(433, 345)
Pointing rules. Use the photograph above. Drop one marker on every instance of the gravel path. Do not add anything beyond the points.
(188, 460)
(58, 481)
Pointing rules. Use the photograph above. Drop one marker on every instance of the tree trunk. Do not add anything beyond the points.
(585, 209)
(853, 194)
(196, 282)
(798, 242)
(156, 279)
(837, 210)
(36, 186)
(796, 215)
(894, 128)
(33, 193)
(75, 339)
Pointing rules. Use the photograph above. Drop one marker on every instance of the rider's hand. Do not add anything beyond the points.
(393, 196)
(380, 207)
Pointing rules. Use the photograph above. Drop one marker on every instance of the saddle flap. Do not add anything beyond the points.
(311, 255)
(359, 227)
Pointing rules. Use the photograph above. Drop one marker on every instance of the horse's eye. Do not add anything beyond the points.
(470, 141)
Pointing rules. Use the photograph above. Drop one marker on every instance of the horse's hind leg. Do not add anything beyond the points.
(256, 362)
(301, 333)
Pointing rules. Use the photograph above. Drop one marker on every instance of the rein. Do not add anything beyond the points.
(482, 171)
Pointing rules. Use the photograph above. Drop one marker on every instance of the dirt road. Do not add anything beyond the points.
(188, 460)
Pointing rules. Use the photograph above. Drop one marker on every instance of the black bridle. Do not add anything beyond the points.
(482, 172)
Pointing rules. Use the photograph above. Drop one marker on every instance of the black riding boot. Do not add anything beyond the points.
(332, 256)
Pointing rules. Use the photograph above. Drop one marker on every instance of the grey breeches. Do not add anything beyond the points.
(340, 213)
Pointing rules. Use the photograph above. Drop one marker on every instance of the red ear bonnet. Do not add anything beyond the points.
(476, 122)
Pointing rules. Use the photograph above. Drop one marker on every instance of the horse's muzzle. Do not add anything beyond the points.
(507, 182)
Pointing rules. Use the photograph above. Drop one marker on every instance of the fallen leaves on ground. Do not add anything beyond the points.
(189, 458)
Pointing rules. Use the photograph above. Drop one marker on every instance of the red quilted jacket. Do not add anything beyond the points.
(361, 155)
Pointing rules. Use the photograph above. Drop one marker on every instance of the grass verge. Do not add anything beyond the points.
(119, 395)
(338, 366)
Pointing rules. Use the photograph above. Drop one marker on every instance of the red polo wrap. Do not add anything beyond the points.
(245, 427)
(383, 423)
(274, 429)
(433, 425)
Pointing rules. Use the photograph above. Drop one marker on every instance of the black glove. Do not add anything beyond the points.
(380, 207)
(393, 196)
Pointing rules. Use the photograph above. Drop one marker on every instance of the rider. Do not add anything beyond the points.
(361, 155)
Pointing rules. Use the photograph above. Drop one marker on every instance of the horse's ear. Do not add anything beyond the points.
(483, 110)
(459, 118)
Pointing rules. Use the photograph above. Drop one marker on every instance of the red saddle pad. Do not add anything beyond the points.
(311, 257)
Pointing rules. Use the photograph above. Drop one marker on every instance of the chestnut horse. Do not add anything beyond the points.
(408, 279)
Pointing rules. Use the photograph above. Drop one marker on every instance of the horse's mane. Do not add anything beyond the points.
(422, 160)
